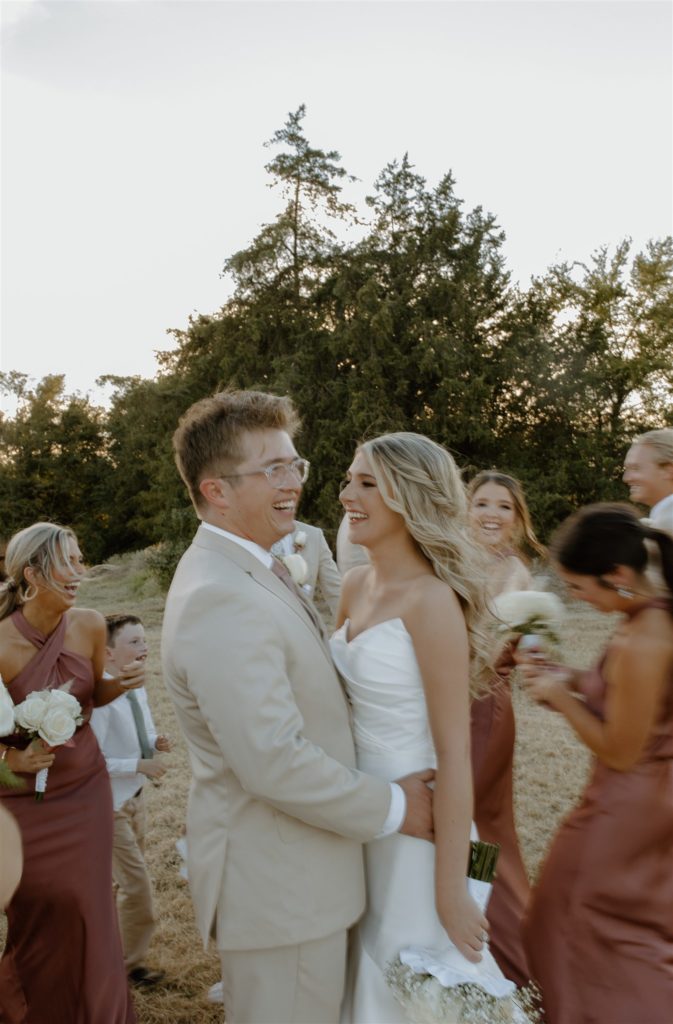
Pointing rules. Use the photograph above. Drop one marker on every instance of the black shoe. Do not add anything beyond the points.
(142, 977)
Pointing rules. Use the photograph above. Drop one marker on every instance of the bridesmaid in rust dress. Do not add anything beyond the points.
(501, 522)
(63, 959)
(599, 933)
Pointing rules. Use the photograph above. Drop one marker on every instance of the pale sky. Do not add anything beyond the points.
(133, 159)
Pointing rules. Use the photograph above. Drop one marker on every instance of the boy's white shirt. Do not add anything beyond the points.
(115, 729)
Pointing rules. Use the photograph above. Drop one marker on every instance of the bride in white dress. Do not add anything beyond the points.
(407, 631)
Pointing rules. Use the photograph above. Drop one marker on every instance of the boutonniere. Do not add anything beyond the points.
(299, 540)
(297, 568)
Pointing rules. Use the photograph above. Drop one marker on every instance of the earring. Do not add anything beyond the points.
(28, 595)
(625, 592)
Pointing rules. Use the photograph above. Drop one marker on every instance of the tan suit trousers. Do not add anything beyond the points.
(130, 875)
(288, 985)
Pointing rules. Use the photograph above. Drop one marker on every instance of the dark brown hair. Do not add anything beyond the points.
(116, 622)
(598, 538)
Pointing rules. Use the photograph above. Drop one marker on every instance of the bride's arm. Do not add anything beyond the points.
(437, 627)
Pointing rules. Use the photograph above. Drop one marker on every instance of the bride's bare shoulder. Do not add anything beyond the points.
(428, 593)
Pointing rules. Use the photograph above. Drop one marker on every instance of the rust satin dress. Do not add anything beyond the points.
(599, 932)
(63, 961)
(492, 743)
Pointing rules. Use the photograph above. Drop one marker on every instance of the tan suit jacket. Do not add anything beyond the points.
(277, 812)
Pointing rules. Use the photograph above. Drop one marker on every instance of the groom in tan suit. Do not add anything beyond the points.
(277, 811)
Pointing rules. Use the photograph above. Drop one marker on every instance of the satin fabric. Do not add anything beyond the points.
(63, 958)
(392, 739)
(599, 932)
(492, 744)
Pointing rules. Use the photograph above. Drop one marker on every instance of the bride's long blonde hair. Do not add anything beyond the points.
(419, 480)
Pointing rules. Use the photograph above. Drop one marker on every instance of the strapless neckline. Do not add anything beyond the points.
(384, 622)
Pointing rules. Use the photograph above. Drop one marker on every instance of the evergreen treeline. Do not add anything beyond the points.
(405, 319)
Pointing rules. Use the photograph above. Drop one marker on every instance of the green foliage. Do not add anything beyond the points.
(412, 324)
(54, 463)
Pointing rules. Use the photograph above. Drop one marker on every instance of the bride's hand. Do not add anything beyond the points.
(464, 923)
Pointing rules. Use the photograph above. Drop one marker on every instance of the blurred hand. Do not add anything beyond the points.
(545, 683)
(33, 759)
(152, 767)
(505, 662)
(132, 675)
(418, 821)
(163, 744)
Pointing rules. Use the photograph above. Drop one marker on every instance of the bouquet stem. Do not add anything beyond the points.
(41, 783)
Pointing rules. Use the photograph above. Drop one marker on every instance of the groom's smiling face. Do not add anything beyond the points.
(256, 508)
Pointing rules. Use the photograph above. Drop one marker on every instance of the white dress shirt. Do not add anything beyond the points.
(661, 514)
(398, 801)
(115, 730)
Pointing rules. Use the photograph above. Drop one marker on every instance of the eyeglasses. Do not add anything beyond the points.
(278, 473)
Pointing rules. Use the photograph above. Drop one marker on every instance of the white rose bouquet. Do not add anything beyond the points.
(7, 726)
(51, 715)
(534, 615)
(6, 711)
(440, 986)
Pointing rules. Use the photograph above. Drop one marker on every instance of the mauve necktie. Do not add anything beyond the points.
(139, 720)
(280, 570)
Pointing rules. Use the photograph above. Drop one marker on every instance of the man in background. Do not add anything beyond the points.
(648, 471)
(322, 580)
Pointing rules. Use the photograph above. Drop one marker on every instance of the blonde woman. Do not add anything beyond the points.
(63, 957)
(500, 522)
(408, 629)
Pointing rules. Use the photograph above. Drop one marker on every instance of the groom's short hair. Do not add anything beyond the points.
(208, 439)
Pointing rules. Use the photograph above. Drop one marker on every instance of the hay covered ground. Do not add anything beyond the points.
(550, 770)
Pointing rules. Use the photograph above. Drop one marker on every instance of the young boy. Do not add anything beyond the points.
(128, 738)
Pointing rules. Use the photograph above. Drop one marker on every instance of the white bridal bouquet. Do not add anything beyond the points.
(534, 615)
(439, 986)
(51, 715)
(6, 711)
(7, 777)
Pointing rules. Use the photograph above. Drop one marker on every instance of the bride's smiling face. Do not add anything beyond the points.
(369, 518)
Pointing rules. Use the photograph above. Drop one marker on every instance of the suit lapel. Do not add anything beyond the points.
(263, 576)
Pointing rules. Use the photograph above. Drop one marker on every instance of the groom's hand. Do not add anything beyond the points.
(418, 821)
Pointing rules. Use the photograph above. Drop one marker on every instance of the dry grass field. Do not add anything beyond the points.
(550, 770)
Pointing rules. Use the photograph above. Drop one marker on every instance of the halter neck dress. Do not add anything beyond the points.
(63, 958)
(492, 738)
(599, 931)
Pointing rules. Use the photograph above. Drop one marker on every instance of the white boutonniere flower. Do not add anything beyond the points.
(300, 540)
(297, 568)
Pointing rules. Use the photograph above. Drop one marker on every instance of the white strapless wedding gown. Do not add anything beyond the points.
(392, 739)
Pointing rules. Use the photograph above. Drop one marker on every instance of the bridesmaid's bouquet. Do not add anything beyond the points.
(439, 986)
(50, 715)
(7, 777)
(533, 615)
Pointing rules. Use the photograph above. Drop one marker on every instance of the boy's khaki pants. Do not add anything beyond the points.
(130, 875)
